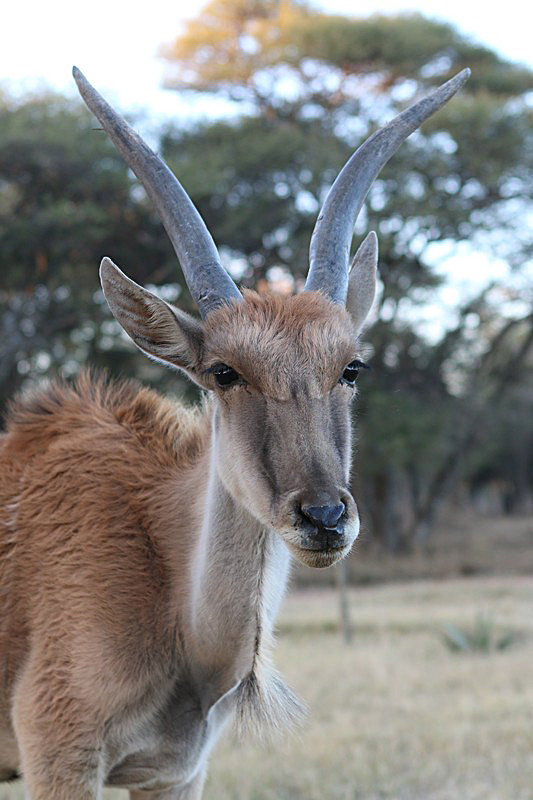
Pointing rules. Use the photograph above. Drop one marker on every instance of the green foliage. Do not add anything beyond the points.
(258, 184)
(482, 637)
(66, 199)
(260, 180)
(231, 42)
(308, 87)
(65, 195)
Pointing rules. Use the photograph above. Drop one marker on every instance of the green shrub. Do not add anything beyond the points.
(482, 637)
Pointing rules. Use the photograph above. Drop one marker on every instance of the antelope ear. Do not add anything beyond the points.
(161, 331)
(362, 280)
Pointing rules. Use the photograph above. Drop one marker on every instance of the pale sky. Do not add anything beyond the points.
(116, 43)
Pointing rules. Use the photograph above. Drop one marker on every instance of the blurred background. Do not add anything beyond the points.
(416, 655)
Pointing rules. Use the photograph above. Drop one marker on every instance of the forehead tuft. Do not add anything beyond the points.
(270, 337)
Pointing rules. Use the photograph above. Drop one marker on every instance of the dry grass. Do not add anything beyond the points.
(396, 715)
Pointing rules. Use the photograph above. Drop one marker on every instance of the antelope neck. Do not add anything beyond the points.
(237, 575)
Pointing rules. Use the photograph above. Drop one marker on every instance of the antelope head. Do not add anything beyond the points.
(282, 369)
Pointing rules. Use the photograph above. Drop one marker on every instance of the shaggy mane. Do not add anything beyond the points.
(93, 401)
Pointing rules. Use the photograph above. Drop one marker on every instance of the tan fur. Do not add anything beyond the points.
(140, 546)
(279, 342)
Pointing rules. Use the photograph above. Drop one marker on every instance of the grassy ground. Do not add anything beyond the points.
(396, 715)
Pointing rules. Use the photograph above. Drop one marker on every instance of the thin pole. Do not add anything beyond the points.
(344, 602)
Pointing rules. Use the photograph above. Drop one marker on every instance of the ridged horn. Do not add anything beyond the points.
(332, 236)
(209, 283)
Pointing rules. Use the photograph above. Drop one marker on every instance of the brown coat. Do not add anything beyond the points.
(144, 549)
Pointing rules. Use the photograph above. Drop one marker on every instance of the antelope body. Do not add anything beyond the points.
(145, 546)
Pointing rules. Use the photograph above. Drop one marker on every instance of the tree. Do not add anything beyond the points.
(66, 199)
(310, 86)
(306, 88)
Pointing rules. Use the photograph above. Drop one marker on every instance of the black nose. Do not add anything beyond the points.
(324, 516)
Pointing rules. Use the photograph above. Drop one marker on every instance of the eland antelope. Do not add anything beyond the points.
(145, 546)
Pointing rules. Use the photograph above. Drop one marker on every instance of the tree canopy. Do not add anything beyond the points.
(310, 87)
(66, 199)
(305, 88)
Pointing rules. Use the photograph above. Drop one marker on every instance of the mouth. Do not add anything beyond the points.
(319, 546)
(322, 547)
(323, 541)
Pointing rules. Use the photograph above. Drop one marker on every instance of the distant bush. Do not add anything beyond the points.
(482, 637)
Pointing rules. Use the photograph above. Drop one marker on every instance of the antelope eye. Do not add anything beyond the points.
(351, 372)
(225, 375)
